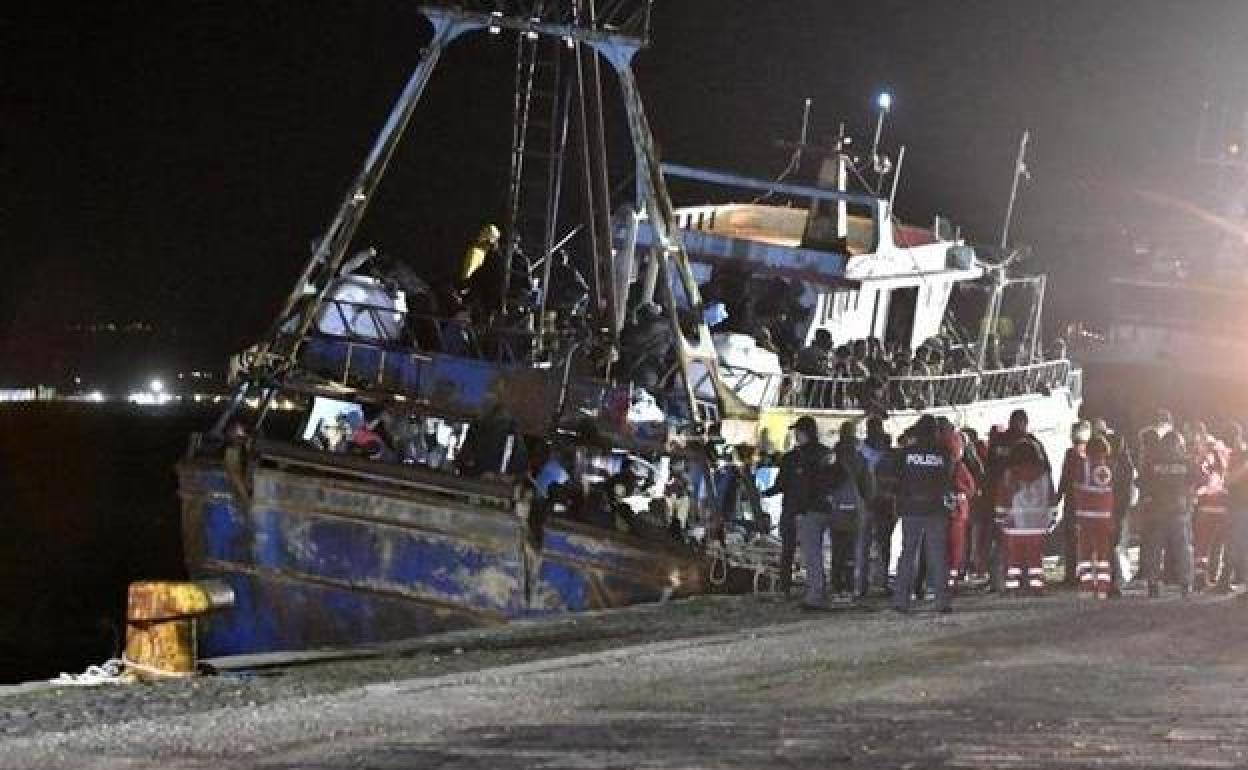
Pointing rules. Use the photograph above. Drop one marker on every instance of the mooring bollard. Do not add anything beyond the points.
(160, 625)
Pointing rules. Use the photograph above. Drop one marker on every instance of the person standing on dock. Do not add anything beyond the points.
(1125, 499)
(960, 517)
(1167, 480)
(1022, 499)
(1209, 517)
(1236, 560)
(880, 517)
(798, 470)
(1072, 469)
(925, 499)
(1092, 495)
(1001, 457)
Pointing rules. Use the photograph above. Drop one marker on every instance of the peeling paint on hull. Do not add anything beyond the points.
(321, 562)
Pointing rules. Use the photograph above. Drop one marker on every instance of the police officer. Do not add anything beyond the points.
(925, 496)
(1167, 480)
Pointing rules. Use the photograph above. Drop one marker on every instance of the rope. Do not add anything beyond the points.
(115, 671)
(111, 671)
(718, 559)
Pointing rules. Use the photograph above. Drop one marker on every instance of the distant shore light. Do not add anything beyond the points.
(884, 100)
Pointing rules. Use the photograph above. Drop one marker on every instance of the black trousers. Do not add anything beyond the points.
(788, 548)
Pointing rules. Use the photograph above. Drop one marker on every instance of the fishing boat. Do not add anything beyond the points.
(330, 548)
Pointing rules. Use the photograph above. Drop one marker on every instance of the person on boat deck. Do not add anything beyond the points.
(844, 393)
(784, 334)
(815, 360)
(607, 507)
(405, 435)
(992, 356)
(899, 394)
(714, 313)
(679, 495)
(569, 291)
(645, 347)
(483, 290)
(556, 492)
(493, 446)
(553, 471)
(365, 440)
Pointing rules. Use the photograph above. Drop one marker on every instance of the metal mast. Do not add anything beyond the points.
(615, 31)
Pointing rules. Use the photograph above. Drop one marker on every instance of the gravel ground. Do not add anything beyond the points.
(749, 682)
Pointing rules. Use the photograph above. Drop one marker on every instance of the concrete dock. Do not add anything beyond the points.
(1059, 682)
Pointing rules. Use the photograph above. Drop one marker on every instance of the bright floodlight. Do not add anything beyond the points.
(156, 386)
(884, 100)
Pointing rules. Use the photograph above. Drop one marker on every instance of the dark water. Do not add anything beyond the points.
(88, 501)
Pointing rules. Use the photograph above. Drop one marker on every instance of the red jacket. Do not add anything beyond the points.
(963, 479)
(1092, 487)
(1022, 500)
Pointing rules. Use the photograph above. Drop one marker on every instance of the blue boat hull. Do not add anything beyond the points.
(322, 560)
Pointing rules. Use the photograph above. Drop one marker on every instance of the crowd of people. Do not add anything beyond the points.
(984, 511)
(876, 377)
(973, 511)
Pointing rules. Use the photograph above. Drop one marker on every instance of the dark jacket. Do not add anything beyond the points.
(924, 480)
(856, 470)
(801, 476)
(1124, 478)
(1167, 481)
(485, 446)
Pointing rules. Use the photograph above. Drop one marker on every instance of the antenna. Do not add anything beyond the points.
(892, 195)
(1020, 171)
(885, 102)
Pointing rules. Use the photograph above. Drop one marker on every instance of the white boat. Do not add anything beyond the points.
(883, 279)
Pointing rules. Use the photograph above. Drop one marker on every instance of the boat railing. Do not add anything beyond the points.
(497, 493)
(382, 326)
(906, 392)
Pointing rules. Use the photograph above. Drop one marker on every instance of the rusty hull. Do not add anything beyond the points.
(320, 560)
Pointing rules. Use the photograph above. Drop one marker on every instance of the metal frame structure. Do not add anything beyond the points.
(615, 34)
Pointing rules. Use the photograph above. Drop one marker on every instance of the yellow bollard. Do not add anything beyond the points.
(160, 625)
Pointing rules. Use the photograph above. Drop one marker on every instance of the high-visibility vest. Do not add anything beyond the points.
(1022, 504)
(1094, 492)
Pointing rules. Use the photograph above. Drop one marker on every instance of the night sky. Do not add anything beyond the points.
(170, 162)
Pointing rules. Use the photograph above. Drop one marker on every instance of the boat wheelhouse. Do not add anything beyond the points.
(881, 279)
